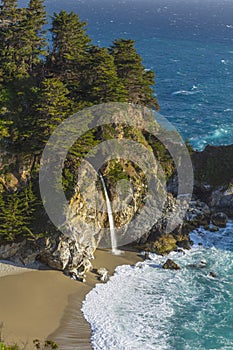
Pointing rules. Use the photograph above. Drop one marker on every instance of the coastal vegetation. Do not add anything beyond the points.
(48, 344)
(41, 84)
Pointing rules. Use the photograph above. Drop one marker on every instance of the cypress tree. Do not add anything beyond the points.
(9, 16)
(36, 19)
(137, 81)
(22, 38)
(70, 43)
(16, 210)
(4, 114)
(8, 12)
(102, 82)
(53, 106)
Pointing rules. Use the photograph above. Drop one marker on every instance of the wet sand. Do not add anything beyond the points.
(46, 304)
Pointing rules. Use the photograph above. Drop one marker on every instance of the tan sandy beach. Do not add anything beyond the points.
(46, 304)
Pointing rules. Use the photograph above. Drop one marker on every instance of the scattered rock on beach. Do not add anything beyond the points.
(103, 274)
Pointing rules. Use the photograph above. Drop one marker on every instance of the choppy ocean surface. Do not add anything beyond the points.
(147, 307)
(189, 45)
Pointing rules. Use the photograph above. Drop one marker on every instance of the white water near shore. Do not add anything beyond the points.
(147, 307)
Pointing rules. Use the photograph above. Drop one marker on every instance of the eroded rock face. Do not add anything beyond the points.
(68, 255)
(158, 241)
(213, 170)
(222, 199)
(72, 252)
(15, 170)
(22, 253)
(8, 251)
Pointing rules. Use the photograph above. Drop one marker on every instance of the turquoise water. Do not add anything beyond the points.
(146, 307)
(189, 45)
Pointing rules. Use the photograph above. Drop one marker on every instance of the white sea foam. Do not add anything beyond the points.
(147, 307)
(186, 93)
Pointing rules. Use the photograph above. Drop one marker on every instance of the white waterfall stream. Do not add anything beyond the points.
(110, 218)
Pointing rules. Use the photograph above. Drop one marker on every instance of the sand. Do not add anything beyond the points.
(46, 304)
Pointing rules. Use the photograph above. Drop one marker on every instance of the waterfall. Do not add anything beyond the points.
(110, 218)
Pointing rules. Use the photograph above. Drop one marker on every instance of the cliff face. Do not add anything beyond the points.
(127, 189)
(16, 170)
(213, 172)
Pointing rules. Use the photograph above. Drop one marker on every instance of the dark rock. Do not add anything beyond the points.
(146, 255)
(185, 244)
(213, 274)
(179, 250)
(213, 228)
(200, 265)
(171, 265)
(219, 219)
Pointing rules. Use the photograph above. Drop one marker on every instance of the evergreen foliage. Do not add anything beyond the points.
(16, 211)
(102, 83)
(53, 106)
(70, 45)
(36, 19)
(137, 80)
(41, 85)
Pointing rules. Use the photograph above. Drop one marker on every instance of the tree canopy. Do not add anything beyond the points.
(42, 83)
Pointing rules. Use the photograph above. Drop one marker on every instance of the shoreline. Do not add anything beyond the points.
(45, 304)
(73, 323)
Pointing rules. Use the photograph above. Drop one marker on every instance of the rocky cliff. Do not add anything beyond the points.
(213, 193)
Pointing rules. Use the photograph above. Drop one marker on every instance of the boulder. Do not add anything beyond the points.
(219, 219)
(103, 274)
(213, 274)
(171, 265)
(213, 228)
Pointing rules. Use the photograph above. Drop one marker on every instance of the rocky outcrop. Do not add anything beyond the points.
(66, 254)
(23, 253)
(219, 219)
(73, 252)
(158, 241)
(16, 170)
(103, 274)
(213, 170)
(170, 265)
(221, 199)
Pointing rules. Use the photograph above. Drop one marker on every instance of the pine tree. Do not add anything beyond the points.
(137, 81)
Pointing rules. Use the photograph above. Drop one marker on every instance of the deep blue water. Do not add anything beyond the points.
(189, 45)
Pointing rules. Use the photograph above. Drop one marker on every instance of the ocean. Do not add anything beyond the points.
(147, 307)
(189, 45)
